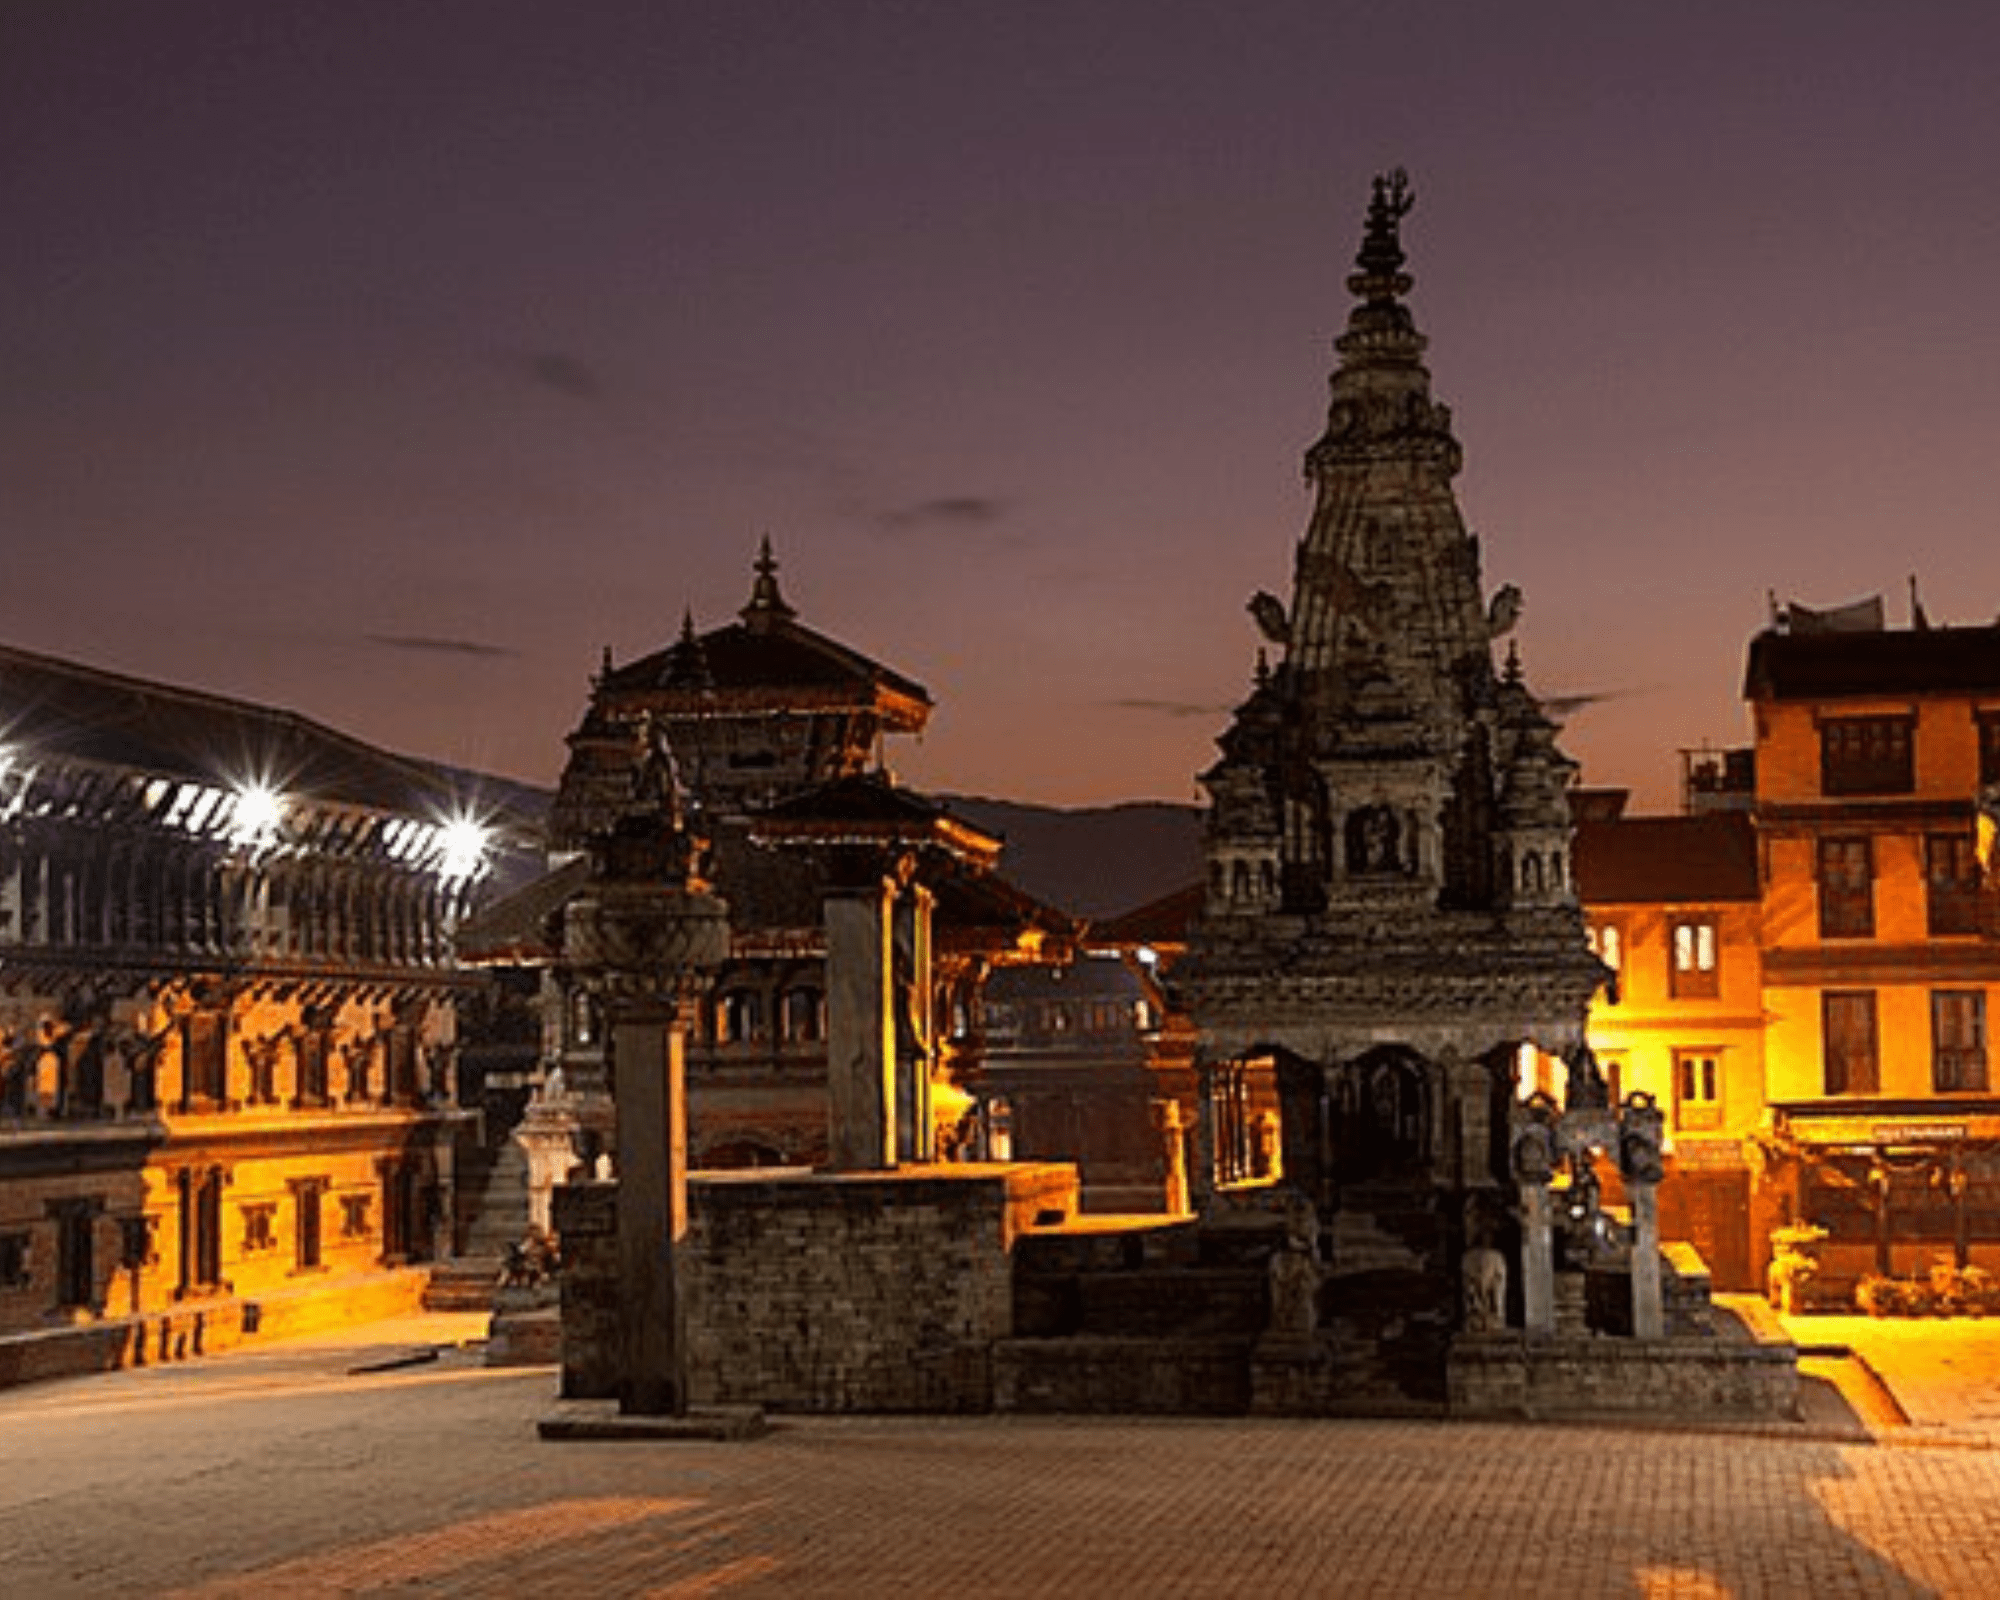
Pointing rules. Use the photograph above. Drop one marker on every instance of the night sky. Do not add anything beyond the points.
(387, 361)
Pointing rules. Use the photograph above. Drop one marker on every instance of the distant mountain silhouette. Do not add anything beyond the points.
(1095, 861)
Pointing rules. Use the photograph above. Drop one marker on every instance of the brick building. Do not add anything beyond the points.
(1877, 798)
(229, 1014)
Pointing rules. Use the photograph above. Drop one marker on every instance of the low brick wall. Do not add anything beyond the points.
(1513, 1376)
(833, 1292)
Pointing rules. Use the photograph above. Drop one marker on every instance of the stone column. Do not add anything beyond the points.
(646, 1056)
(1473, 1082)
(1648, 1314)
(1173, 1156)
(915, 1026)
(861, 1030)
(1201, 1181)
(1538, 1262)
(641, 936)
(1641, 1133)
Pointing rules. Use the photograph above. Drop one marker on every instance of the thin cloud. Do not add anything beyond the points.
(424, 644)
(944, 512)
(1169, 708)
(559, 372)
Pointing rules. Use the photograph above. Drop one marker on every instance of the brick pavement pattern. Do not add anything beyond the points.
(286, 1473)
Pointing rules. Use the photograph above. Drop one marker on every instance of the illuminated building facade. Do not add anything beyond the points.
(1877, 800)
(229, 1087)
(1675, 913)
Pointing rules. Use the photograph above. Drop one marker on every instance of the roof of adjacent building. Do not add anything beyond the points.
(1667, 860)
(52, 709)
(767, 652)
(869, 808)
(1814, 666)
(777, 893)
(1162, 922)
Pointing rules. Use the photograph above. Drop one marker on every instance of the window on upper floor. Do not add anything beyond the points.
(739, 1017)
(204, 1058)
(259, 1227)
(1694, 953)
(1958, 1040)
(1989, 747)
(1698, 1088)
(1607, 943)
(1867, 755)
(1847, 1028)
(1951, 882)
(802, 1016)
(1846, 889)
(311, 1048)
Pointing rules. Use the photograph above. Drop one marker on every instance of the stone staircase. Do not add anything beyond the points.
(493, 1197)
(1136, 1316)
(1172, 1317)
(1388, 1303)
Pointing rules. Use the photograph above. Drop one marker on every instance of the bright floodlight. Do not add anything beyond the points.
(254, 820)
(463, 848)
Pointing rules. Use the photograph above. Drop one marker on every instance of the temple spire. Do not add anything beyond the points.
(687, 662)
(766, 603)
(1379, 263)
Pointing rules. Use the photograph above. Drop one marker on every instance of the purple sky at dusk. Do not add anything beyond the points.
(388, 360)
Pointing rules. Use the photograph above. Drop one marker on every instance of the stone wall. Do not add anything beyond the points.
(1513, 1376)
(835, 1292)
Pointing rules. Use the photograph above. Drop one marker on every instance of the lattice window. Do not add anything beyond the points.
(1846, 889)
(1847, 1019)
(1868, 755)
(1696, 954)
(1951, 881)
(1958, 1040)
(1698, 1088)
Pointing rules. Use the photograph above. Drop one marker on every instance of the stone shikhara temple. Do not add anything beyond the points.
(1390, 928)
(1391, 913)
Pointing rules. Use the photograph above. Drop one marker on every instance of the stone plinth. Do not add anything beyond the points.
(831, 1292)
(1513, 1376)
(586, 1220)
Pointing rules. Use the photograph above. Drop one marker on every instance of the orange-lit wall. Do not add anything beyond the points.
(1642, 1032)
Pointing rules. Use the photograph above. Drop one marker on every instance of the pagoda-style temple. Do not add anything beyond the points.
(776, 732)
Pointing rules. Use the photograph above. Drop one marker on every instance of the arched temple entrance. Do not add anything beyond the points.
(1381, 1117)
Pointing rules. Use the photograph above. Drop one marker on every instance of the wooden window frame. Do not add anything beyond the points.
(1988, 725)
(1694, 956)
(1958, 1043)
(1698, 1088)
(1846, 911)
(1868, 755)
(1951, 884)
(1849, 1072)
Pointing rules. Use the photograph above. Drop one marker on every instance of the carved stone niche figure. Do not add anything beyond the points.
(1640, 1135)
(1586, 1088)
(1587, 1231)
(1374, 840)
(1294, 1274)
(1483, 1274)
(1534, 1154)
